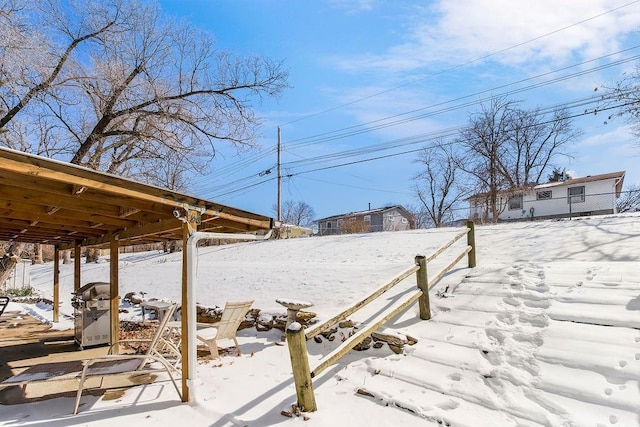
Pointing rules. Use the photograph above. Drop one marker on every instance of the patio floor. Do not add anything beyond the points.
(24, 342)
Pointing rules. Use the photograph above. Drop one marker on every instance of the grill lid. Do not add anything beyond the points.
(93, 291)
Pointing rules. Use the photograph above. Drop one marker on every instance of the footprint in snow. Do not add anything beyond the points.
(455, 376)
(495, 335)
(511, 301)
(448, 405)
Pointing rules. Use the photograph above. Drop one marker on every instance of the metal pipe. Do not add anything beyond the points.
(192, 243)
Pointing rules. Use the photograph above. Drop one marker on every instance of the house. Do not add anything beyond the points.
(590, 195)
(390, 218)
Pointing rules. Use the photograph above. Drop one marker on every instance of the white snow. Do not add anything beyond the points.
(544, 331)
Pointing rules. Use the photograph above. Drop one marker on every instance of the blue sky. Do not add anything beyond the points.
(367, 75)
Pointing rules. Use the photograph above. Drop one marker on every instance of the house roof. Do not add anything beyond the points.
(589, 178)
(367, 212)
(52, 202)
(619, 176)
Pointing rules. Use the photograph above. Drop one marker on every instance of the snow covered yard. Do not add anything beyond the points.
(545, 331)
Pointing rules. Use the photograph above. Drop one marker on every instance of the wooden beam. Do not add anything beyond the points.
(184, 315)
(76, 264)
(82, 177)
(113, 293)
(56, 284)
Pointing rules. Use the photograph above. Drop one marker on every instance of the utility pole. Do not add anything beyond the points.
(279, 178)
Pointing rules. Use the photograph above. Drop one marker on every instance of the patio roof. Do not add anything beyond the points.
(51, 202)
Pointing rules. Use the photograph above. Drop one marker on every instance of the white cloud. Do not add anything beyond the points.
(513, 32)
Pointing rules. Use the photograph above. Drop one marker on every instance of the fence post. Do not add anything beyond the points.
(471, 241)
(297, 343)
(423, 285)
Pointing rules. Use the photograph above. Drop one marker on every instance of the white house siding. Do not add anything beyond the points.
(599, 198)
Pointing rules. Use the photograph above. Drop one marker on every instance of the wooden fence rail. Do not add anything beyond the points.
(296, 337)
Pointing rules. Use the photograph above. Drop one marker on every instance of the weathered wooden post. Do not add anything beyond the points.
(471, 241)
(300, 365)
(423, 285)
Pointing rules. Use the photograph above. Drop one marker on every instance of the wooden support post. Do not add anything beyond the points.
(184, 315)
(56, 284)
(114, 246)
(189, 227)
(471, 241)
(300, 366)
(77, 252)
(423, 285)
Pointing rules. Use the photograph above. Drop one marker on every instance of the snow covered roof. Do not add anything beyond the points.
(367, 212)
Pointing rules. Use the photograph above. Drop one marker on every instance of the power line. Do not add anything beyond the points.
(370, 159)
(447, 70)
(238, 166)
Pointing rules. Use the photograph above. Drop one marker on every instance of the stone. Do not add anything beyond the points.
(365, 344)
(347, 324)
(396, 349)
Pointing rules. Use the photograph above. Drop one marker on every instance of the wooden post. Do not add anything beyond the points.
(56, 283)
(471, 241)
(76, 266)
(189, 227)
(423, 285)
(114, 245)
(300, 366)
(184, 315)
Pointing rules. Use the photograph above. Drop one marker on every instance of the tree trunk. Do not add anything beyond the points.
(37, 254)
(9, 260)
(93, 254)
(66, 257)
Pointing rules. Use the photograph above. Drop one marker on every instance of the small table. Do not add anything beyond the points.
(160, 307)
(293, 307)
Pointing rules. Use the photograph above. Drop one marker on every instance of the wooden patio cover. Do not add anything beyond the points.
(50, 202)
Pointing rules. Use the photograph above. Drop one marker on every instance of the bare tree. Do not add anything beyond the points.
(629, 200)
(484, 143)
(624, 99)
(507, 148)
(534, 139)
(118, 87)
(296, 213)
(437, 185)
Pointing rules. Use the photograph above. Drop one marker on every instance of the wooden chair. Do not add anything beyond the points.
(103, 366)
(234, 313)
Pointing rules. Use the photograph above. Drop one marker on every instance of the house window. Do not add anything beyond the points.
(390, 217)
(543, 195)
(328, 224)
(367, 218)
(515, 203)
(404, 221)
(575, 194)
(339, 223)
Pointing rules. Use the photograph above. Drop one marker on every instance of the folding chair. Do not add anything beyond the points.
(104, 366)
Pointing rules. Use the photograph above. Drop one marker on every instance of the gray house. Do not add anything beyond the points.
(391, 218)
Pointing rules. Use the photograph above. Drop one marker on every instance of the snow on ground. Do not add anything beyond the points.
(545, 331)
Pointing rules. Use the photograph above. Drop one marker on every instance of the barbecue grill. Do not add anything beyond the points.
(92, 318)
